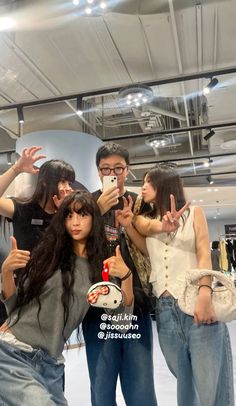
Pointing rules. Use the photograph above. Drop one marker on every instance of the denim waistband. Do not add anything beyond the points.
(166, 299)
(12, 340)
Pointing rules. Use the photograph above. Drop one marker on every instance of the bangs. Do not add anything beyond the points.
(79, 207)
(65, 174)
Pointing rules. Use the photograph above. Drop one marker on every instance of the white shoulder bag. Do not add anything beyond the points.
(223, 297)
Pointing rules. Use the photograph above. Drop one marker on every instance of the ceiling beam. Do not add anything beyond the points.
(171, 131)
(99, 92)
(139, 181)
(181, 159)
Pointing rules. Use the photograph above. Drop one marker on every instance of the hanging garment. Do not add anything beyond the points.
(224, 265)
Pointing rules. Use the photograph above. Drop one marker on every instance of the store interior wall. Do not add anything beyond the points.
(217, 227)
(78, 149)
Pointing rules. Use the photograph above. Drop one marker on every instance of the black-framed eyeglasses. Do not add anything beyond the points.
(118, 170)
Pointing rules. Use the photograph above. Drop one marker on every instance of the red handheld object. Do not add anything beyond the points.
(105, 273)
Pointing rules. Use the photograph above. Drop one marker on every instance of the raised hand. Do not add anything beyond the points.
(108, 199)
(27, 160)
(16, 258)
(116, 265)
(125, 216)
(62, 192)
(170, 221)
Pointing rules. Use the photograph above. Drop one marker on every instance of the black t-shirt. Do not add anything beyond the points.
(115, 236)
(29, 223)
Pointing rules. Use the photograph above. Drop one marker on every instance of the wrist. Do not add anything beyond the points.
(129, 227)
(16, 169)
(126, 276)
(206, 289)
(6, 270)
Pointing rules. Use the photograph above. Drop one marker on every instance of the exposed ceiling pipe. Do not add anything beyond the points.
(147, 47)
(39, 75)
(167, 113)
(180, 65)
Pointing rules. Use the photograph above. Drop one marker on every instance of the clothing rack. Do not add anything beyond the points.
(224, 236)
(228, 252)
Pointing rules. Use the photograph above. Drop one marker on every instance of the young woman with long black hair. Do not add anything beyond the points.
(30, 217)
(50, 301)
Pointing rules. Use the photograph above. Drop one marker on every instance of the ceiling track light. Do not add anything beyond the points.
(79, 106)
(213, 83)
(9, 158)
(208, 163)
(209, 135)
(209, 179)
(20, 115)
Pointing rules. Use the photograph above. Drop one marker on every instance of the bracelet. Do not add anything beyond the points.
(206, 286)
(126, 275)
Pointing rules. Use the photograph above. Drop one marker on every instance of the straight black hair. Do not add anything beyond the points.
(109, 149)
(165, 181)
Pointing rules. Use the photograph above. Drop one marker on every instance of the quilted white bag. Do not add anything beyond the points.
(223, 297)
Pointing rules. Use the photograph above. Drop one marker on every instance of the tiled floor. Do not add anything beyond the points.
(77, 381)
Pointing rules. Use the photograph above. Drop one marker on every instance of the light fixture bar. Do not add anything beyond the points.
(104, 91)
(20, 114)
(172, 131)
(183, 159)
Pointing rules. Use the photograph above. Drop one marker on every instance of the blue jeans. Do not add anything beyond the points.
(131, 359)
(29, 378)
(198, 356)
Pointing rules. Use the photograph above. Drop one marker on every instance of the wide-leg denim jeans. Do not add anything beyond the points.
(131, 359)
(29, 378)
(198, 356)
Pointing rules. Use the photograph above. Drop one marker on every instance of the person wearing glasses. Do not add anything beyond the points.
(130, 359)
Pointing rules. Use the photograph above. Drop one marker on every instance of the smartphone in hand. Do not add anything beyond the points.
(108, 182)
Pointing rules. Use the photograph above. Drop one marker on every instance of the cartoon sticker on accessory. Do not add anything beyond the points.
(105, 294)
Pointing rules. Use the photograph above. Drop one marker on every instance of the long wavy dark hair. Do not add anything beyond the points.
(55, 251)
(165, 181)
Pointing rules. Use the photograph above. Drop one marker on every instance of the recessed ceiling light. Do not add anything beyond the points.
(6, 23)
(103, 5)
(200, 200)
(209, 190)
(216, 190)
(88, 10)
(214, 217)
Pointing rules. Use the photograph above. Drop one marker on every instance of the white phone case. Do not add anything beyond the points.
(109, 182)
